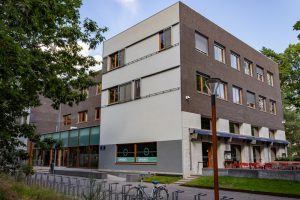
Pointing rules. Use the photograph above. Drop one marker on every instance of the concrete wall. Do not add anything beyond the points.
(169, 154)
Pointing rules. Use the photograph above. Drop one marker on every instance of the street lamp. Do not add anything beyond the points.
(213, 84)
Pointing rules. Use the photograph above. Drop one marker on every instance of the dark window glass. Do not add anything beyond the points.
(205, 123)
(137, 89)
(125, 153)
(95, 136)
(146, 152)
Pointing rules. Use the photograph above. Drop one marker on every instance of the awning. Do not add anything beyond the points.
(237, 136)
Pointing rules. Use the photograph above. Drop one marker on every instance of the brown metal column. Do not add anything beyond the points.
(215, 146)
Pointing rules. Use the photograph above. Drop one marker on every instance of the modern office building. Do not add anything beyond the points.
(156, 106)
(78, 127)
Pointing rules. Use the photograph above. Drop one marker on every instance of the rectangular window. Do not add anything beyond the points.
(117, 59)
(222, 91)
(201, 43)
(64, 136)
(254, 131)
(98, 88)
(97, 113)
(84, 137)
(234, 127)
(236, 95)
(250, 99)
(125, 92)
(201, 83)
(270, 79)
(73, 138)
(95, 135)
(165, 39)
(113, 95)
(262, 103)
(248, 67)
(272, 134)
(219, 53)
(67, 119)
(260, 73)
(82, 116)
(273, 107)
(205, 123)
(137, 153)
(137, 89)
(235, 61)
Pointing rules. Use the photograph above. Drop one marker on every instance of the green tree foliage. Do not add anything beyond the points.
(40, 55)
(289, 74)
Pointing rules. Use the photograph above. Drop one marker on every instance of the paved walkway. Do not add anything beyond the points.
(188, 191)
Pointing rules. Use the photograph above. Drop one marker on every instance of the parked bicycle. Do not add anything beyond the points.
(158, 192)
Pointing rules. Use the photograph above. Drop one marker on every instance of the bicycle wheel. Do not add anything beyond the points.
(162, 193)
(134, 193)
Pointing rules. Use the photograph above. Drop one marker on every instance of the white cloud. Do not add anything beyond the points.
(129, 5)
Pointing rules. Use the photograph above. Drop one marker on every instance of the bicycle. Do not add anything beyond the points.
(159, 192)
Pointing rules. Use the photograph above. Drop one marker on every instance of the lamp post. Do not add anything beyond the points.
(213, 85)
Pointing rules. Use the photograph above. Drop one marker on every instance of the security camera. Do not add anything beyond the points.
(187, 97)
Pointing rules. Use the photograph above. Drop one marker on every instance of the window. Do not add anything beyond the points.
(272, 134)
(205, 123)
(97, 113)
(140, 153)
(113, 95)
(219, 53)
(270, 79)
(117, 59)
(67, 119)
(237, 95)
(234, 127)
(260, 74)
(125, 92)
(82, 116)
(201, 43)
(98, 88)
(85, 92)
(250, 99)
(201, 83)
(262, 103)
(248, 67)
(165, 39)
(235, 61)
(137, 89)
(222, 91)
(273, 107)
(254, 131)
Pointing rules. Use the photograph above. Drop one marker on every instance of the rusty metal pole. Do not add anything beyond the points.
(215, 146)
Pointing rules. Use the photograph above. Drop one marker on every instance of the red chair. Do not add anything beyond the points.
(244, 165)
(268, 166)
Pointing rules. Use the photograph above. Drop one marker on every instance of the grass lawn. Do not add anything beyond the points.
(12, 190)
(162, 179)
(249, 184)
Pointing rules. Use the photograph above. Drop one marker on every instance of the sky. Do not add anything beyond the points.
(258, 23)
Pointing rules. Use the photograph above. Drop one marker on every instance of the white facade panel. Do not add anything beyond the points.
(280, 135)
(160, 82)
(175, 34)
(245, 129)
(223, 125)
(264, 132)
(156, 118)
(142, 30)
(159, 62)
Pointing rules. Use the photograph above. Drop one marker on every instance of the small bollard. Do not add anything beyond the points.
(175, 194)
(199, 195)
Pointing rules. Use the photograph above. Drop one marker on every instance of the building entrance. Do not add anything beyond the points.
(207, 155)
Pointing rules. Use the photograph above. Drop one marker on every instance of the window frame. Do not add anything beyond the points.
(264, 103)
(232, 123)
(225, 91)
(260, 77)
(119, 92)
(202, 81)
(67, 121)
(238, 60)
(97, 111)
(203, 118)
(250, 64)
(240, 92)
(162, 34)
(272, 103)
(254, 104)
(207, 43)
(80, 115)
(116, 95)
(270, 77)
(98, 86)
(219, 46)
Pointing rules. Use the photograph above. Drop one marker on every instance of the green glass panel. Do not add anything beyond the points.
(125, 159)
(84, 137)
(73, 139)
(146, 159)
(95, 135)
(64, 136)
(56, 136)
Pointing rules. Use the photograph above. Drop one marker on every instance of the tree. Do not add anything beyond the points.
(289, 74)
(40, 55)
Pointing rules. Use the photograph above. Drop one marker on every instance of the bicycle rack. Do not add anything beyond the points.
(175, 194)
(199, 195)
(125, 190)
